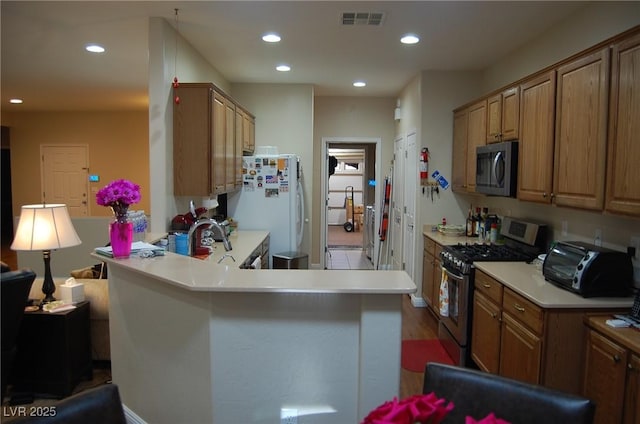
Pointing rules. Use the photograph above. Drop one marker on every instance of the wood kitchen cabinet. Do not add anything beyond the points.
(431, 274)
(513, 337)
(623, 172)
(207, 157)
(246, 129)
(612, 372)
(503, 112)
(487, 316)
(535, 150)
(193, 140)
(476, 136)
(581, 131)
(469, 132)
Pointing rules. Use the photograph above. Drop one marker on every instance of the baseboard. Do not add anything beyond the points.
(131, 416)
(418, 302)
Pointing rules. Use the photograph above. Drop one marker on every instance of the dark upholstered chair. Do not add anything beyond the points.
(99, 405)
(477, 394)
(15, 286)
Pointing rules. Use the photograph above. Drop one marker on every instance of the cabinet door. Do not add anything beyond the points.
(503, 111)
(535, 151)
(485, 336)
(192, 141)
(249, 132)
(230, 145)
(427, 280)
(510, 113)
(632, 390)
(239, 149)
(494, 118)
(219, 141)
(605, 370)
(623, 172)
(476, 136)
(437, 278)
(520, 351)
(459, 156)
(581, 132)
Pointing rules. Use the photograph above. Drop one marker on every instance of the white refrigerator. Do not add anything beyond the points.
(271, 199)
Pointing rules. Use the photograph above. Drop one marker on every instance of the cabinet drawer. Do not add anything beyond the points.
(489, 287)
(522, 309)
(429, 245)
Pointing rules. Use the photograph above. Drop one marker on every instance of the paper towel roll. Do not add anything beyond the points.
(257, 263)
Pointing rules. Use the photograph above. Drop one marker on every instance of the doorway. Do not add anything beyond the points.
(350, 192)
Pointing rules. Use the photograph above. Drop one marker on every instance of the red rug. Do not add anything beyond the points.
(416, 353)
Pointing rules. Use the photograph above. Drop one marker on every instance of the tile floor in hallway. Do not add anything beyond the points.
(348, 259)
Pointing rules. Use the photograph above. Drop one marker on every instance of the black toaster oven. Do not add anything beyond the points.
(589, 270)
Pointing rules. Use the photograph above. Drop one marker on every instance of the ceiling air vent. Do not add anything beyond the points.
(362, 18)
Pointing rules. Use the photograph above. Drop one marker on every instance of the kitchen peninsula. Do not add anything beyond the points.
(199, 341)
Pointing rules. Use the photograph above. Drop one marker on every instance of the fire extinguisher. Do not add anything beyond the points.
(424, 163)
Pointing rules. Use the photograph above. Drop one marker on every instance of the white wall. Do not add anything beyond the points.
(348, 117)
(191, 67)
(284, 118)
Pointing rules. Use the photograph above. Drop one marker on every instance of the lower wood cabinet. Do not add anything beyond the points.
(431, 274)
(612, 372)
(514, 337)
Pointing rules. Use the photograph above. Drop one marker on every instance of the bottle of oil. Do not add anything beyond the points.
(471, 224)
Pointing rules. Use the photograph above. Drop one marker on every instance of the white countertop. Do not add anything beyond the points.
(528, 281)
(207, 275)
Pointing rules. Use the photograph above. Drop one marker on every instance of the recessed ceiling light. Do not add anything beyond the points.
(409, 39)
(15, 101)
(94, 48)
(283, 68)
(359, 84)
(271, 37)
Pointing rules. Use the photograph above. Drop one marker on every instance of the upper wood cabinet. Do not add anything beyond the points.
(623, 170)
(207, 151)
(503, 112)
(535, 150)
(476, 136)
(193, 140)
(469, 132)
(581, 131)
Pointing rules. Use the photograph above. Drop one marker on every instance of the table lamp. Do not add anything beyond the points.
(45, 227)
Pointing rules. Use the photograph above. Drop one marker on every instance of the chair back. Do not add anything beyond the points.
(98, 405)
(477, 394)
(15, 287)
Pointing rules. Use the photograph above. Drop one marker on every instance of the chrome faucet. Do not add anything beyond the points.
(209, 223)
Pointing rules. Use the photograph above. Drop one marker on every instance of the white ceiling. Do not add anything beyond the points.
(44, 62)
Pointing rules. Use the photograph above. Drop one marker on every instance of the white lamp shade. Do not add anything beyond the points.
(45, 227)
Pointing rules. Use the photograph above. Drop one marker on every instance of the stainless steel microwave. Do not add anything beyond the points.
(497, 169)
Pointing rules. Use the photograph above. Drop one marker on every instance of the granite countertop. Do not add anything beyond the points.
(528, 281)
(208, 275)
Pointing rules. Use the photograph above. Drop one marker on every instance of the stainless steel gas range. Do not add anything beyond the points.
(523, 242)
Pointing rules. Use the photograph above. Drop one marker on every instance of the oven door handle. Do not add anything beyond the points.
(453, 274)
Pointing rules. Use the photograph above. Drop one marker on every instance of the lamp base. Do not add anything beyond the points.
(48, 287)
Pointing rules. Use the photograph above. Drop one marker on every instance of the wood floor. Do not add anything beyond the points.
(417, 323)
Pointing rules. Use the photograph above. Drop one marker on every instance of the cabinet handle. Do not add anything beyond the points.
(494, 315)
(630, 366)
(616, 358)
(544, 195)
(487, 286)
(518, 307)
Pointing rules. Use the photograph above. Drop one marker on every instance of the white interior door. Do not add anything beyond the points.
(410, 181)
(65, 179)
(397, 202)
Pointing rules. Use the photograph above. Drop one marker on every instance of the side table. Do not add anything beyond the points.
(54, 352)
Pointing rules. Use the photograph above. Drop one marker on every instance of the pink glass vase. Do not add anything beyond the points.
(121, 236)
